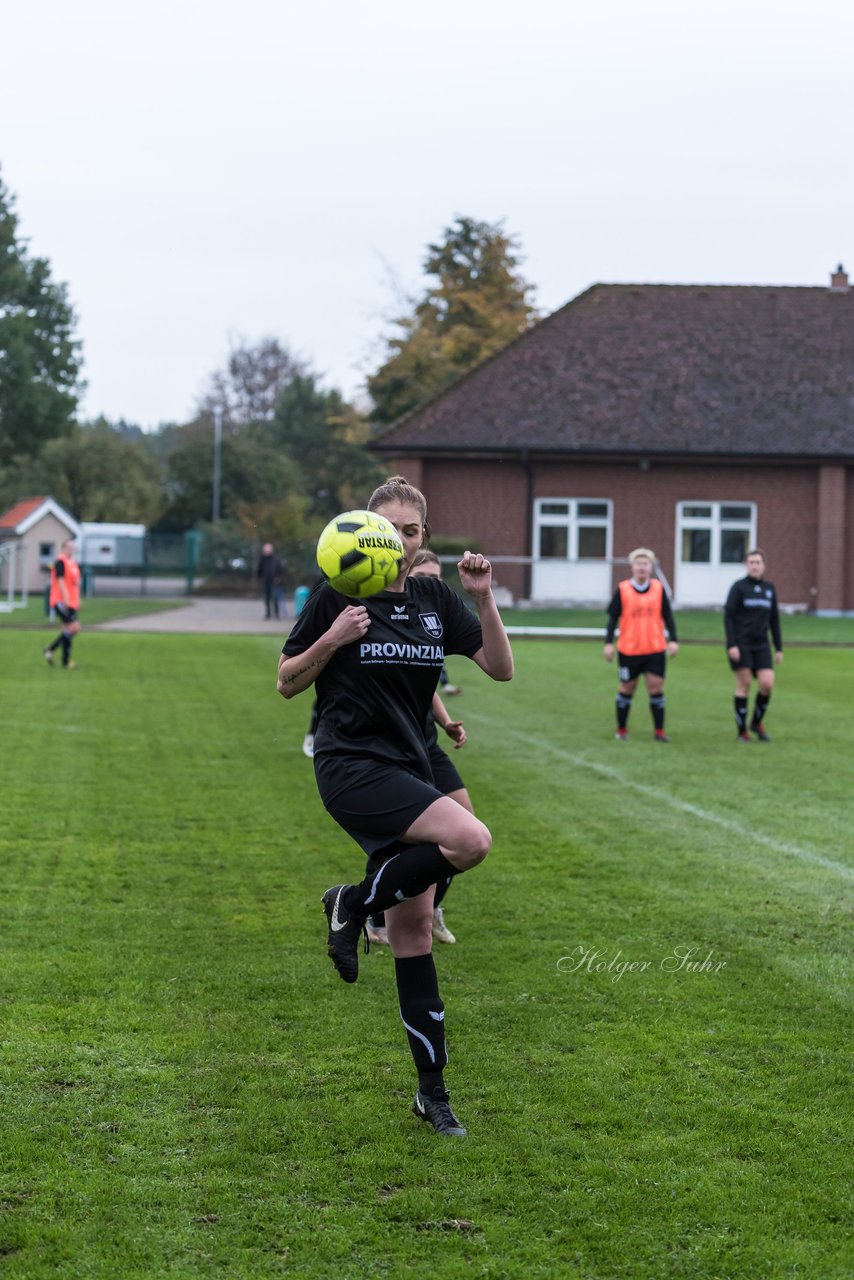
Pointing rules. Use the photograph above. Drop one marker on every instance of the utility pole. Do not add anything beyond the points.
(217, 467)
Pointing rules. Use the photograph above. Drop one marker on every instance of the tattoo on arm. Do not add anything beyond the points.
(292, 679)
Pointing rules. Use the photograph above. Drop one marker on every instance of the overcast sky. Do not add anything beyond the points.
(201, 174)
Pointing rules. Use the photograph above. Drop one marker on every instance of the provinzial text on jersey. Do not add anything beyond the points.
(407, 652)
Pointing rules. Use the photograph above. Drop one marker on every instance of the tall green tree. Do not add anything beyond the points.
(326, 438)
(252, 471)
(476, 303)
(96, 473)
(285, 470)
(39, 356)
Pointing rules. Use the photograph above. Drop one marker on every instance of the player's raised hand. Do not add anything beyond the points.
(351, 624)
(475, 573)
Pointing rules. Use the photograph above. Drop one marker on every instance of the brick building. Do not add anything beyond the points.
(698, 420)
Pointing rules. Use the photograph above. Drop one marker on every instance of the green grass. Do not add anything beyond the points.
(704, 625)
(93, 610)
(189, 1091)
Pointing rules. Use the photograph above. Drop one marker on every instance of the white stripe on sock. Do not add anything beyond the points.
(418, 1036)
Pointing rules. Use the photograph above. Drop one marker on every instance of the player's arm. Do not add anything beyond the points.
(733, 601)
(59, 569)
(453, 728)
(776, 632)
(300, 670)
(670, 625)
(495, 656)
(615, 608)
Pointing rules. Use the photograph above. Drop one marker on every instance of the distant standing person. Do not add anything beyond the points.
(271, 571)
(751, 611)
(647, 639)
(65, 601)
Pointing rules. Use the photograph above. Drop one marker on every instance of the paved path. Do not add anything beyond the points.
(207, 616)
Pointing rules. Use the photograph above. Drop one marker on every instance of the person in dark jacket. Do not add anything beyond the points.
(271, 571)
(751, 611)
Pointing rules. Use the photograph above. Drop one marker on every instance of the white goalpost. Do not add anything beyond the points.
(13, 577)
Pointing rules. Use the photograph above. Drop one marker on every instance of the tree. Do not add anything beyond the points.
(39, 358)
(325, 437)
(96, 474)
(248, 389)
(477, 304)
(283, 474)
(252, 471)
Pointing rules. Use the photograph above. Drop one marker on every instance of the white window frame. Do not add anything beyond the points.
(571, 521)
(716, 526)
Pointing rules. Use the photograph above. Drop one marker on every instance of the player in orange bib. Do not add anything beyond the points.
(647, 638)
(65, 601)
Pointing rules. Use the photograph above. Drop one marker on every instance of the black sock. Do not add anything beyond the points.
(624, 706)
(656, 706)
(57, 642)
(423, 1016)
(741, 713)
(66, 649)
(442, 888)
(407, 874)
(760, 706)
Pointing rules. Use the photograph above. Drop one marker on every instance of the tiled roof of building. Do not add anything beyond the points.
(688, 369)
(16, 515)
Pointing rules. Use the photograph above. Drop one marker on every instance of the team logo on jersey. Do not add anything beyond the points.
(432, 624)
(398, 613)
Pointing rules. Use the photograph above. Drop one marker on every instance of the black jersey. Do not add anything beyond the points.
(374, 695)
(751, 609)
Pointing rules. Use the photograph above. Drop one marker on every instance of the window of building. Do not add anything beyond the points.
(572, 528)
(715, 533)
(47, 553)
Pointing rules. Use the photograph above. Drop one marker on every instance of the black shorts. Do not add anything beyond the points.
(653, 664)
(63, 612)
(375, 803)
(445, 774)
(757, 657)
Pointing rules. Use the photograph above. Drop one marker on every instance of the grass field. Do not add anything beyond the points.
(189, 1091)
(704, 625)
(95, 610)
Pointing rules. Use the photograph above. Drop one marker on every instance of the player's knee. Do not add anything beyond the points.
(475, 845)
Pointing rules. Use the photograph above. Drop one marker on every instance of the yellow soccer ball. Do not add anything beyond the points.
(359, 553)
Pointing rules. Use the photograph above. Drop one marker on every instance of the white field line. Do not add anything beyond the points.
(682, 806)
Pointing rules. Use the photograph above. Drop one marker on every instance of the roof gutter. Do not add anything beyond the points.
(525, 463)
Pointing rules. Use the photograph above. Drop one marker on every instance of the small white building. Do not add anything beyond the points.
(31, 534)
(112, 546)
